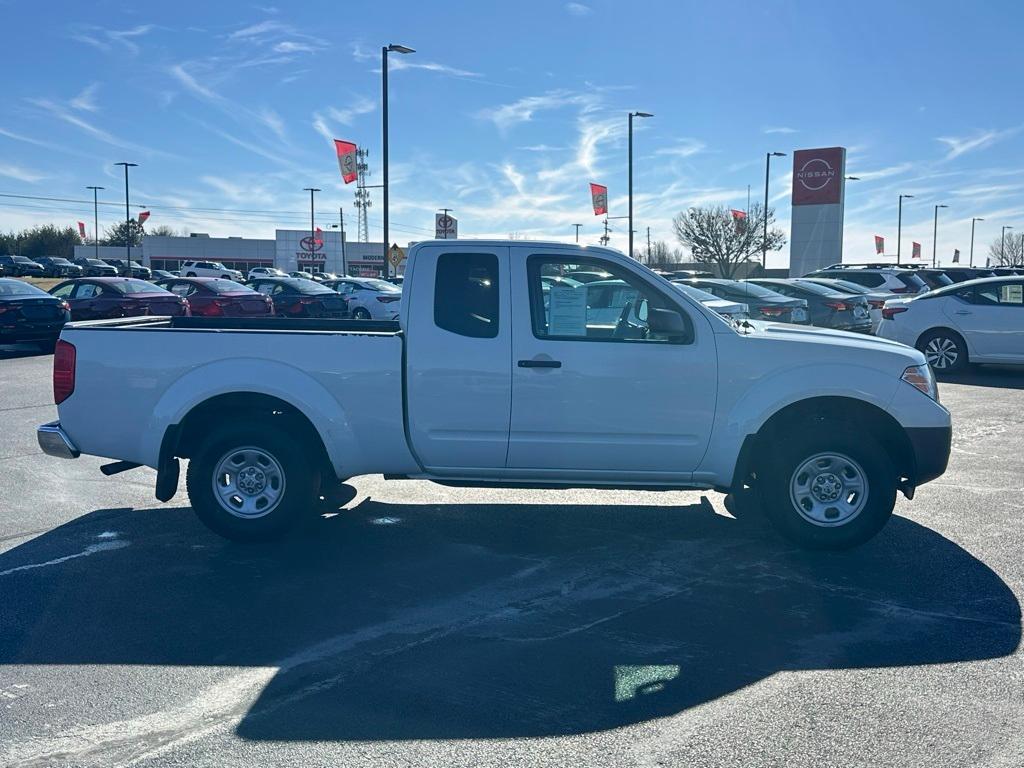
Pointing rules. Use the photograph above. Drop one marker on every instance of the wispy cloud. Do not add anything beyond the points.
(505, 116)
(778, 129)
(86, 100)
(684, 148)
(106, 39)
(578, 9)
(881, 173)
(399, 63)
(291, 46)
(961, 145)
(62, 113)
(347, 115)
(21, 174)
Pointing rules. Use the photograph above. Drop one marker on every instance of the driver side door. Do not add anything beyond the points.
(602, 398)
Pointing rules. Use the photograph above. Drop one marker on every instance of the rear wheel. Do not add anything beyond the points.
(190, 274)
(360, 314)
(944, 350)
(828, 491)
(251, 483)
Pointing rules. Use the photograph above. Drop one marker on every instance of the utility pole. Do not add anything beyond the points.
(384, 51)
(767, 171)
(341, 228)
(648, 246)
(631, 116)
(605, 238)
(899, 228)
(96, 220)
(127, 220)
(935, 230)
(577, 232)
(971, 262)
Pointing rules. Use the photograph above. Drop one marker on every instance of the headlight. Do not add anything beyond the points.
(921, 377)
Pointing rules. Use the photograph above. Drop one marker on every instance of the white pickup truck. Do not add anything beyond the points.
(498, 373)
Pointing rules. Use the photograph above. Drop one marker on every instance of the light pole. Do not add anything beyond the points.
(312, 223)
(96, 219)
(971, 262)
(899, 228)
(577, 232)
(631, 116)
(384, 51)
(764, 236)
(127, 220)
(1002, 243)
(935, 230)
(340, 226)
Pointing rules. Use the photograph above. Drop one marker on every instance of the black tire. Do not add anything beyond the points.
(298, 482)
(867, 515)
(360, 314)
(945, 351)
(190, 274)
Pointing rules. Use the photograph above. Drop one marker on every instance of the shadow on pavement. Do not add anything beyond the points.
(13, 351)
(1000, 376)
(395, 621)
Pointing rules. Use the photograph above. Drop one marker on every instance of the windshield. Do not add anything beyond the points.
(97, 263)
(226, 286)
(744, 289)
(381, 285)
(12, 288)
(136, 286)
(23, 260)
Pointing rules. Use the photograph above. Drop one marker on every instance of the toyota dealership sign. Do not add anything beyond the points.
(818, 176)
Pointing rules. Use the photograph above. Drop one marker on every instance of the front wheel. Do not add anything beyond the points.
(828, 491)
(251, 483)
(190, 274)
(360, 314)
(944, 350)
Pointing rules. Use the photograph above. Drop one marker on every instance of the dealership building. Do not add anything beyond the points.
(290, 250)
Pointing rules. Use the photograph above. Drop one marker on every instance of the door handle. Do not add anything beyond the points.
(540, 363)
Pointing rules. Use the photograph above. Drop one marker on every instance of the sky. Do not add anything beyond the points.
(507, 111)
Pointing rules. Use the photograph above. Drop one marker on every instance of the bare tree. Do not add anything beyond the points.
(1007, 252)
(714, 236)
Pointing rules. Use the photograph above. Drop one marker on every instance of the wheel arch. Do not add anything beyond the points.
(945, 329)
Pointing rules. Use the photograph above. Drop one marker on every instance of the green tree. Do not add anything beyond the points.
(121, 232)
(715, 237)
(45, 240)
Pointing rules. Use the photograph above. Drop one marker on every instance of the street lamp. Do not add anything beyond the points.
(96, 219)
(127, 219)
(971, 262)
(935, 230)
(312, 224)
(340, 226)
(899, 228)
(764, 237)
(384, 51)
(577, 231)
(631, 116)
(1002, 244)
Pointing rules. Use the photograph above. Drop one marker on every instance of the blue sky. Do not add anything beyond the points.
(508, 110)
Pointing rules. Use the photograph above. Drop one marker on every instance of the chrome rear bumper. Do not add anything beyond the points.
(55, 442)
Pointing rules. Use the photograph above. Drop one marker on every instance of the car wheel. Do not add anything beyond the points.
(944, 350)
(828, 491)
(360, 314)
(251, 483)
(190, 274)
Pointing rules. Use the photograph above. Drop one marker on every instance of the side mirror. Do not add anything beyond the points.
(667, 323)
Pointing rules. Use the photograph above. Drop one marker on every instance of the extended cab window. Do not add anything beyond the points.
(614, 309)
(466, 294)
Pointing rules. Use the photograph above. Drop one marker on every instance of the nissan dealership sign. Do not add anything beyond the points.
(818, 176)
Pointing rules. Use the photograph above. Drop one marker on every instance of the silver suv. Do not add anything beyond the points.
(208, 269)
(877, 277)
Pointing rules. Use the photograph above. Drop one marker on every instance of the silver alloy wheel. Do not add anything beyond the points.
(829, 489)
(360, 314)
(941, 352)
(248, 482)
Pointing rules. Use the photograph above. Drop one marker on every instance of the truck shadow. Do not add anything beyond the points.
(997, 376)
(403, 621)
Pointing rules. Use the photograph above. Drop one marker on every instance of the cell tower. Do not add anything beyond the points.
(363, 201)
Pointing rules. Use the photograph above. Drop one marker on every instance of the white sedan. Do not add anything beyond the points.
(977, 321)
(369, 298)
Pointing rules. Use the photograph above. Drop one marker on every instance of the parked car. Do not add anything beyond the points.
(934, 278)
(266, 272)
(977, 321)
(369, 298)
(962, 274)
(216, 297)
(764, 304)
(876, 299)
(95, 267)
(828, 308)
(161, 274)
(477, 385)
(137, 270)
(209, 269)
(30, 314)
(20, 266)
(688, 274)
(295, 297)
(730, 310)
(878, 277)
(3, 270)
(584, 276)
(1007, 271)
(100, 298)
(55, 266)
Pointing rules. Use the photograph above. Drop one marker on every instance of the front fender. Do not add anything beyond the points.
(260, 376)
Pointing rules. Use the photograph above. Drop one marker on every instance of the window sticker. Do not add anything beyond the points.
(567, 311)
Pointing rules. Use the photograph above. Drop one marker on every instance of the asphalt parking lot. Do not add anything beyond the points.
(423, 625)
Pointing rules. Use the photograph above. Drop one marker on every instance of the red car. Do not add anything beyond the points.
(100, 298)
(217, 297)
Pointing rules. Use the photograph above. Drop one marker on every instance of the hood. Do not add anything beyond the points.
(809, 334)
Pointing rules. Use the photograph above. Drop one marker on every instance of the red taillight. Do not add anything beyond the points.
(63, 371)
(838, 306)
(889, 313)
(388, 299)
(213, 309)
(772, 311)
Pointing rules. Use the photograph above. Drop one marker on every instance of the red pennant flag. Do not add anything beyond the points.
(81, 229)
(737, 215)
(916, 252)
(319, 238)
(599, 197)
(347, 161)
(143, 215)
(879, 245)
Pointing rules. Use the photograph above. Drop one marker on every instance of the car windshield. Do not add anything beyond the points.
(226, 286)
(743, 289)
(306, 286)
(58, 260)
(136, 286)
(818, 289)
(18, 288)
(23, 260)
(97, 263)
(381, 285)
(696, 293)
